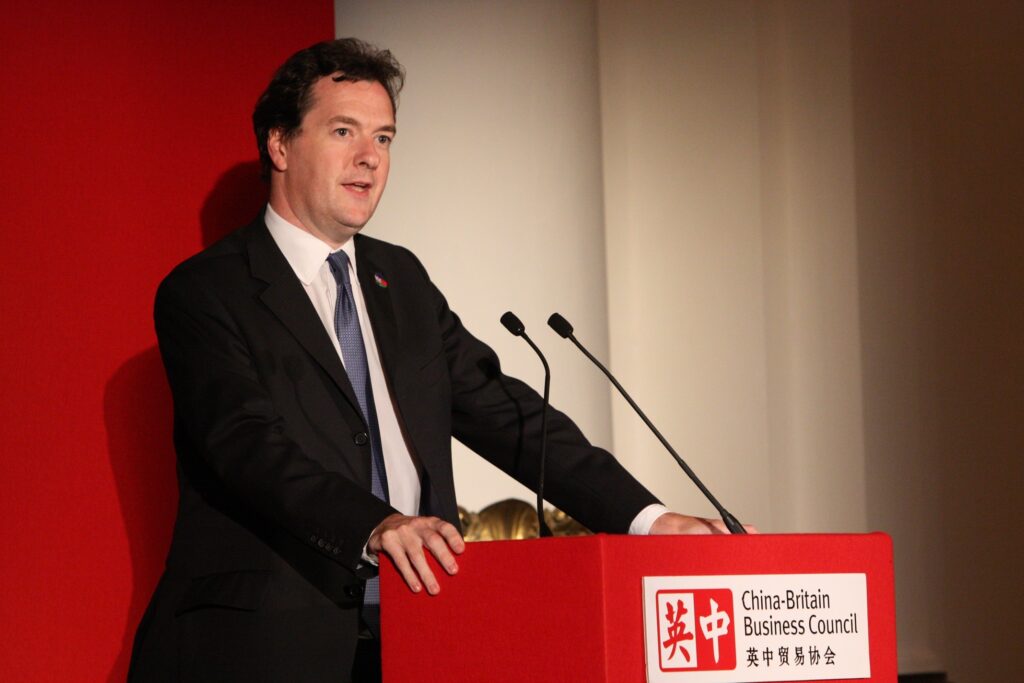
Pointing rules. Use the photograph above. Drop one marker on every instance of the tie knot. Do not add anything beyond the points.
(338, 261)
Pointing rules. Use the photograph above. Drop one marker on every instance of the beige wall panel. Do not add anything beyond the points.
(496, 184)
(685, 247)
(811, 287)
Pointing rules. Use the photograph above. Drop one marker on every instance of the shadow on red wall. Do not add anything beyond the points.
(138, 415)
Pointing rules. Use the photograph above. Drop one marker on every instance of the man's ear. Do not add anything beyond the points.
(277, 147)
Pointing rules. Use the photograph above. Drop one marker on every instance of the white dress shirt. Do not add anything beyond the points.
(307, 255)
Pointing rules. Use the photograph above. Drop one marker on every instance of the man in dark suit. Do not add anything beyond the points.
(318, 377)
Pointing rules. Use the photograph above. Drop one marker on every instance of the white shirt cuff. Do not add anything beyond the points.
(642, 523)
(368, 558)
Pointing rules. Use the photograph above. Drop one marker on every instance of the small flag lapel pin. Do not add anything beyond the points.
(379, 279)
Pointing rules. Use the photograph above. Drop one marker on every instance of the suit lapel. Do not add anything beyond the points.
(373, 280)
(286, 298)
(376, 293)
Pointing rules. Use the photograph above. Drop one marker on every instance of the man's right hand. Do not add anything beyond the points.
(403, 539)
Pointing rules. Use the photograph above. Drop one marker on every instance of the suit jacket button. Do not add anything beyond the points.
(335, 550)
(353, 592)
(321, 543)
(361, 439)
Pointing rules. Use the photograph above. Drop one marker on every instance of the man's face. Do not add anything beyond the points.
(331, 173)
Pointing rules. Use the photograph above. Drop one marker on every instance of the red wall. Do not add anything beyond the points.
(126, 147)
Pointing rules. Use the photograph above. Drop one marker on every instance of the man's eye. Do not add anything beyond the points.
(341, 132)
(384, 139)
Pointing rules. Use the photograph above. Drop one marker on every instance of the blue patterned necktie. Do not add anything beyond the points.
(350, 338)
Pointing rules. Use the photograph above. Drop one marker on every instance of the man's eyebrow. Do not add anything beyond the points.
(343, 119)
(353, 122)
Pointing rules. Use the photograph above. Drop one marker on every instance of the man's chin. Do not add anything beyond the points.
(351, 229)
(353, 224)
(348, 228)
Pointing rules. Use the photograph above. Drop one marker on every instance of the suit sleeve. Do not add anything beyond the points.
(499, 418)
(231, 425)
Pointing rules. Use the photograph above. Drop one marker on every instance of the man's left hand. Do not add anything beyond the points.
(674, 523)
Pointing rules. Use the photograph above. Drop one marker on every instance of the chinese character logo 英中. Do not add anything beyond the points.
(684, 646)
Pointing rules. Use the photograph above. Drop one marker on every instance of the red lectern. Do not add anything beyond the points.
(575, 609)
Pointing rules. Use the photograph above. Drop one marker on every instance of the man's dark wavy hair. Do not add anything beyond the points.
(289, 96)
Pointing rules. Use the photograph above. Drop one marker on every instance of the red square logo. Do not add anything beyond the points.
(696, 630)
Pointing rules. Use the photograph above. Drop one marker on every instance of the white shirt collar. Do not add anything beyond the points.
(305, 253)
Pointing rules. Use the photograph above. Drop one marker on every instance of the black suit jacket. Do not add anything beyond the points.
(264, 576)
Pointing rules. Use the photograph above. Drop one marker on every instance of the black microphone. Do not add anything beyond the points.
(564, 329)
(514, 325)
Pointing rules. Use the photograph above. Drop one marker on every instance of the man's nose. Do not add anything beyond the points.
(368, 156)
